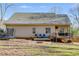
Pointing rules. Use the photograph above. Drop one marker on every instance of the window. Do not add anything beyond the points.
(10, 31)
(48, 30)
(61, 30)
(62, 33)
(34, 30)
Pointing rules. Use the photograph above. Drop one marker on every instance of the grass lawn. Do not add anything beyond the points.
(24, 47)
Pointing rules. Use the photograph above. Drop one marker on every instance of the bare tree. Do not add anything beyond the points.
(75, 13)
(55, 9)
(3, 9)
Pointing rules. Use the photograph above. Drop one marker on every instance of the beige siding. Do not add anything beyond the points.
(26, 31)
(23, 31)
(42, 29)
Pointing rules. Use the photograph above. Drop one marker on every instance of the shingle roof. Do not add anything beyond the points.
(38, 18)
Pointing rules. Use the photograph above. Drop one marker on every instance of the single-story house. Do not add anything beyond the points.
(23, 25)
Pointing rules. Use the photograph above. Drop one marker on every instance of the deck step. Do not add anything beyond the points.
(41, 39)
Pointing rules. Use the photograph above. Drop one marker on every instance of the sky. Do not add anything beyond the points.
(62, 8)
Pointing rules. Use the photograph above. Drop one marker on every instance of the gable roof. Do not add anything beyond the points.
(38, 18)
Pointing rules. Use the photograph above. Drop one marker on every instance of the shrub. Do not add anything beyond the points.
(69, 41)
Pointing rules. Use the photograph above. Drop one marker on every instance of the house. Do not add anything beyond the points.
(23, 25)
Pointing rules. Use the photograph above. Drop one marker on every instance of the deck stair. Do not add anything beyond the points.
(42, 39)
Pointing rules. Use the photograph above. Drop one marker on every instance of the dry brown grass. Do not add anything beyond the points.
(75, 39)
(22, 47)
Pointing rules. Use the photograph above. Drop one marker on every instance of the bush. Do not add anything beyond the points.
(69, 41)
(2, 32)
